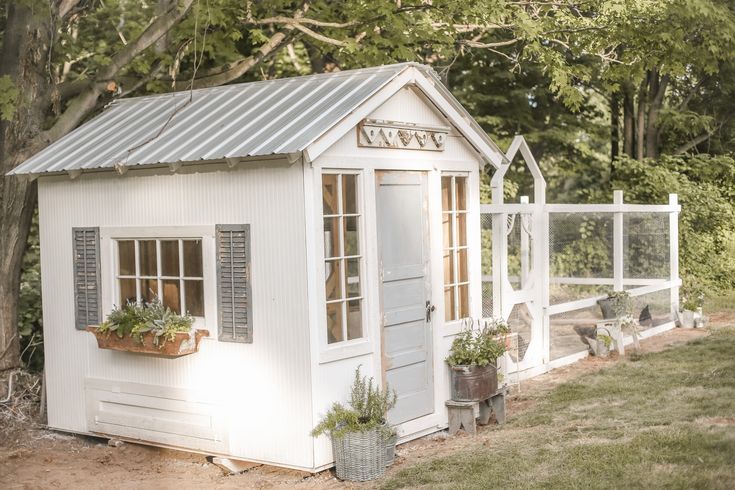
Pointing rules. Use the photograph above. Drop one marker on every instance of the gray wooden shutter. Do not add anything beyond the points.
(233, 283)
(86, 276)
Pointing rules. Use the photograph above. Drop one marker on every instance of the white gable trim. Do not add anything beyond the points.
(496, 183)
(411, 76)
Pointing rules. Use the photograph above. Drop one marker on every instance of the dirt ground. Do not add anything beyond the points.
(31, 457)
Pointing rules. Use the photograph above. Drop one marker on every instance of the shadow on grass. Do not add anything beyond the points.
(663, 419)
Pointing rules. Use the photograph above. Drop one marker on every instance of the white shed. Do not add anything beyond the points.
(354, 198)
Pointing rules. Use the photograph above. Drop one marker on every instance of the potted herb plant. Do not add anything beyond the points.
(473, 361)
(148, 328)
(691, 311)
(360, 434)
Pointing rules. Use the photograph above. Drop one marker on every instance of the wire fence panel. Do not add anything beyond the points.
(580, 247)
(569, 331)
(646, 246)
(520, 245)
(653, 309)
(486, 250)
(592, 250)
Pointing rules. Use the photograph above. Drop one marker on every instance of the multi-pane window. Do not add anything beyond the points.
(454, 225)
(168, 269)
(342, 256)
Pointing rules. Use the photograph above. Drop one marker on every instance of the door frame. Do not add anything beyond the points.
(430, 291)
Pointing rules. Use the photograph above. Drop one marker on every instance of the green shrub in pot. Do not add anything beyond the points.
(473, 361)
(359, 431)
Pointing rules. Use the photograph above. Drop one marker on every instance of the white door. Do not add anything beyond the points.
(403, 242)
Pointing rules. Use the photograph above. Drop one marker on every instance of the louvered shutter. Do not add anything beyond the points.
(86, 276)
(233, 283)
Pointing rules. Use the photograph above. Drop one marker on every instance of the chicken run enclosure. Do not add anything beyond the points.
(545, 266)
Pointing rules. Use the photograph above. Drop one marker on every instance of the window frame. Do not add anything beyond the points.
(109, 264)
(454, 249)
(159, 277)
(335, 349)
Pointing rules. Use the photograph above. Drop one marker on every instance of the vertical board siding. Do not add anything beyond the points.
(86, 276)
(233, 283)
(264, 386)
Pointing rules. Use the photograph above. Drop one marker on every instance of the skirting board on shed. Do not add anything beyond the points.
(156, 414)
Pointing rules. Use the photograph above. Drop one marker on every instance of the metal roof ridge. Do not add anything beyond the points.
(235, 86)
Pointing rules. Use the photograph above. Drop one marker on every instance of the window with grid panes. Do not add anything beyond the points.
(342, 256)
(454, 225)
(169, 269)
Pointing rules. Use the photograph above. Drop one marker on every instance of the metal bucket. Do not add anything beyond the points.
(474, 383)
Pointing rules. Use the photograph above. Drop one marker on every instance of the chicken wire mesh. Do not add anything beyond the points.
(646, 245)
(568, 331)
(520, 245)
(486, 250)
(653, 309)
(580, 247)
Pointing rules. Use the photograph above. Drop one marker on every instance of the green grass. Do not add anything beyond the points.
(723, 303)
(661, 420)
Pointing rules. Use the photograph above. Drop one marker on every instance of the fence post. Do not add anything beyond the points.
(674, 251)
(618, 242)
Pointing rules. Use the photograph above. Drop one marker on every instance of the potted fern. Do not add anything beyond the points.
(473, 361)
(360, 434)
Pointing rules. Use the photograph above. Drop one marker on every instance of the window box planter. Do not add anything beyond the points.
(184, 343)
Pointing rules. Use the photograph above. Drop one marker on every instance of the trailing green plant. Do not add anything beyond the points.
(692, 297)
(138, 319)
(367, 409)
(621, 303)
(606, 340)
(477, 346)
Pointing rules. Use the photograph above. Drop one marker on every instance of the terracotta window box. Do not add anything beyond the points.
(182, 345)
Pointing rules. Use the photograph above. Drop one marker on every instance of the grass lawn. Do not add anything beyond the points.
(659, 420)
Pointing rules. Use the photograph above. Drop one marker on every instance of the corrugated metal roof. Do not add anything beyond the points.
(251, 119)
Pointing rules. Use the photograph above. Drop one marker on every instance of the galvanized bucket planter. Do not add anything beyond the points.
(360, 456)
(474, 383)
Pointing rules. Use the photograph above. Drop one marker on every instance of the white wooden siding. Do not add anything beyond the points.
(264, 387)
(333, 370)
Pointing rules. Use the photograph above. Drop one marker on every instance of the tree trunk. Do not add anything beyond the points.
(614, 127)
(641, 121)
(656, 95)
(628, 109)
(24, 59)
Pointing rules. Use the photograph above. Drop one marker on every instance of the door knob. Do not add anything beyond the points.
(429, 310)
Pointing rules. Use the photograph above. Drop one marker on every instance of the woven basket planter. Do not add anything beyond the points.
(390, 449)
(360, 456)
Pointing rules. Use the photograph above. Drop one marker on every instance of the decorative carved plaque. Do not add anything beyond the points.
(373, 133)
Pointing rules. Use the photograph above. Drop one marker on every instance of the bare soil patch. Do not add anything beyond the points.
(32, 457)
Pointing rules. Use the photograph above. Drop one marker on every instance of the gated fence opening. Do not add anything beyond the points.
(546, 266)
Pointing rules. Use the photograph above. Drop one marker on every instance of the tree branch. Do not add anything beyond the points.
(80, 106)
(280, 19)
(476, 44)
(276, 42)
(693, 143)
(65, 6)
